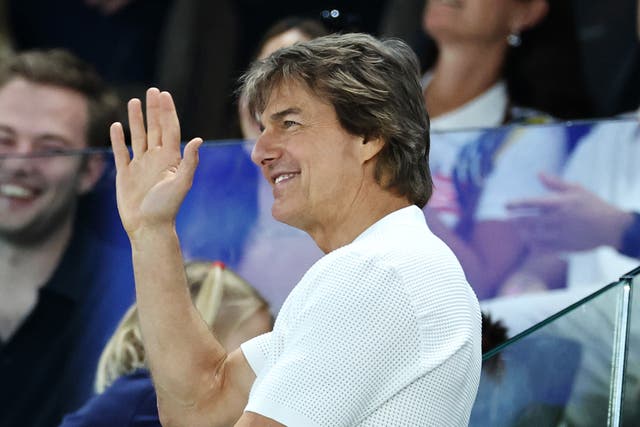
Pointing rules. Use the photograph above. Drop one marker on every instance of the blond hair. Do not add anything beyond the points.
(223, 299)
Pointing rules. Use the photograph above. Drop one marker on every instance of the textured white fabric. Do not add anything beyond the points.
(382, 332)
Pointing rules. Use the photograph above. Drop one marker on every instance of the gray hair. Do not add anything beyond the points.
(375, 90)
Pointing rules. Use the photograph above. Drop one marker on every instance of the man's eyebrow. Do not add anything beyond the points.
(280, 114)
(55, 137)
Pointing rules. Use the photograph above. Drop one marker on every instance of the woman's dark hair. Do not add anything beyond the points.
(545, 72)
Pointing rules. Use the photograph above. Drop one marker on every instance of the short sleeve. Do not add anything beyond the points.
(257, 351)
(352, 345)
(528, 152)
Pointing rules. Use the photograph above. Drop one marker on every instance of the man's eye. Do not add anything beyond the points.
(289, 123)
(51, 145)
(6, 144)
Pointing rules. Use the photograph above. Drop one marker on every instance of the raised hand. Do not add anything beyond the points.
(151, 185)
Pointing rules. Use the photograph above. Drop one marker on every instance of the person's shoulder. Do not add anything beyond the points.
(402, 249)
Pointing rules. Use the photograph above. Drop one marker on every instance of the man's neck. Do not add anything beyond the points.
(362, 215)
(23, 270)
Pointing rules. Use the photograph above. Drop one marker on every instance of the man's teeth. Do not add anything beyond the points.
(281, 178)
(11, 190)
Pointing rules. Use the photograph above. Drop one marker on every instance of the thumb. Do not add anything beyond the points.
(190, 159)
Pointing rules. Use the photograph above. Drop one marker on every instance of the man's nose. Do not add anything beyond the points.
(266, 149)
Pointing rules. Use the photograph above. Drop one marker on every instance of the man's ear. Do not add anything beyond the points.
(91, 172)
(371, 146)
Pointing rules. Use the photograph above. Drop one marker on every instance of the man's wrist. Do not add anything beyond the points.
(152, 234)
(630, 243)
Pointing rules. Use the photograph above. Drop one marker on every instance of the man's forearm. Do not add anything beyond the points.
(182, 353)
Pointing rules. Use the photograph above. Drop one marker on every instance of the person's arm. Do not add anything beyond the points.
(197, 383)
(538, 272)
(489, 256)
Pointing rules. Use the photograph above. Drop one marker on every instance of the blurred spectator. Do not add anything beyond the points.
(186, 46)
(482, 74)
(118, 37)
(586, 233)
(491, 58)
(283, 33)
(488, 169)
(126, 397)
(61, 291)
(471, 65)
(476, 81)
(582, 236)
(194, 48)
(592, 215)
(199, 63)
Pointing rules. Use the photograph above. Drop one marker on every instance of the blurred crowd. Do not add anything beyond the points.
(197, 49)
(524, 208)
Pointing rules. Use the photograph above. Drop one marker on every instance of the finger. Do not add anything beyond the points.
(533, 205)
(154, 126)
(136, 124)
(169, 121)
(190, 159)
(120, 151)
(554, 183)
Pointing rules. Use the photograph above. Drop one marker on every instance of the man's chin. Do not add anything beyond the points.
(31, 234)
(285, 216)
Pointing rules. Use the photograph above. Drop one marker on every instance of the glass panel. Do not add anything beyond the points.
(227, 216)
(631, 406)
(555, 373)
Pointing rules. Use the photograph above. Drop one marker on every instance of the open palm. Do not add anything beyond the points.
(151, 185)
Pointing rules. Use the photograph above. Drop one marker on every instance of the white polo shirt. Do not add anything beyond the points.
(384, 331)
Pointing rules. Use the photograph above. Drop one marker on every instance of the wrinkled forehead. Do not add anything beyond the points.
(284, 90)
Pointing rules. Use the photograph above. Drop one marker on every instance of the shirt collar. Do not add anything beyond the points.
(411, 215)
(486, 110)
